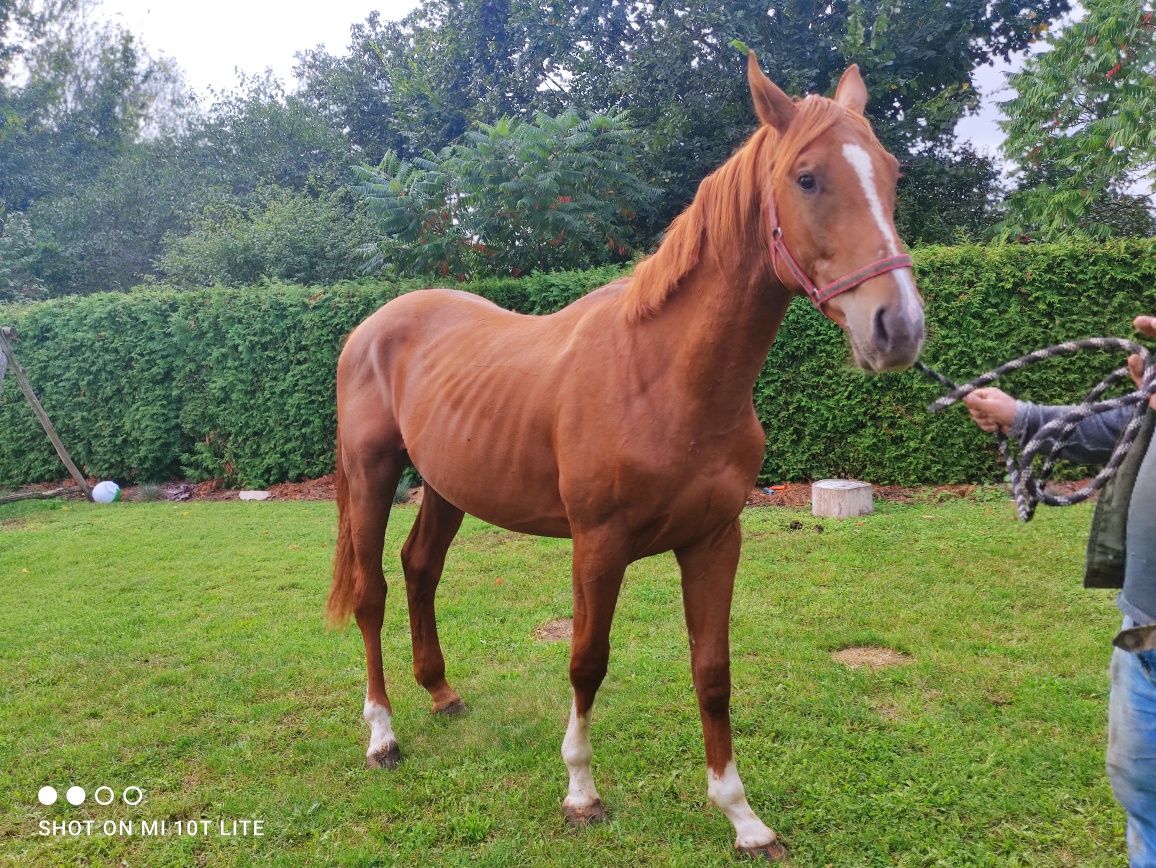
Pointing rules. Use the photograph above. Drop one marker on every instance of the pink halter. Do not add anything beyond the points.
(819, 296)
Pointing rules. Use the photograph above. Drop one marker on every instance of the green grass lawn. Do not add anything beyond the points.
(180, 648)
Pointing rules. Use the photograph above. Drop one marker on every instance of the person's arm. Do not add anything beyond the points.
(1091, 441)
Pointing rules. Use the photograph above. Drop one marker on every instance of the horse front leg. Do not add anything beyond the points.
(599, 564)
(708, 575)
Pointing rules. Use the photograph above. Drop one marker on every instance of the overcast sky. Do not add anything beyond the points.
(212, 39)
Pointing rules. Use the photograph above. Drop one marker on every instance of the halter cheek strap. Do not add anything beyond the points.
(820, 295)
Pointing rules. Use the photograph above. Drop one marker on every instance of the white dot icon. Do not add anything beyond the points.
(47, 795)
(75, 795)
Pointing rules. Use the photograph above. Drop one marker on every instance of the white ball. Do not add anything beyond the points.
(105, 492)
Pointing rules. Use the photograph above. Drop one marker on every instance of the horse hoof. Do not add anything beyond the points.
(772, 852)
(453, 709)
(586, 815)
(386, 757)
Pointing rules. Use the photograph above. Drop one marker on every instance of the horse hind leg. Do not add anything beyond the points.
(366, 481)
(422, 559)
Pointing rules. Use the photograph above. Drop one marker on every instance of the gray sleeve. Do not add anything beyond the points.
(1092, 441)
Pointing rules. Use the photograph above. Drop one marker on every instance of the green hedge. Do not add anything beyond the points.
(238, 384)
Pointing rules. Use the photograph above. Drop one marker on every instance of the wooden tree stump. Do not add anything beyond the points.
(841, 498)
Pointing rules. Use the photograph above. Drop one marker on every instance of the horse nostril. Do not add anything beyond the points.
(882, 336)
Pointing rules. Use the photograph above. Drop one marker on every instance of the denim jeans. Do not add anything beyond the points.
(1132, 748)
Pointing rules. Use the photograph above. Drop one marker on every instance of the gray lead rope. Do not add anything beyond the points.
(1028, 483)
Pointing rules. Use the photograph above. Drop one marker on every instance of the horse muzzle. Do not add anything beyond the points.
(895, 340)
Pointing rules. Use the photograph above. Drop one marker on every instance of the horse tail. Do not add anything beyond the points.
(341, 595)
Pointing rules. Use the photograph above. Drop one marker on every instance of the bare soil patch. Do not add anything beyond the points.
(887, 710)
(871, 657)
(555, 631)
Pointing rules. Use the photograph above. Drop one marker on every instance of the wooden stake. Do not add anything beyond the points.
(39, 495)
(45, 422)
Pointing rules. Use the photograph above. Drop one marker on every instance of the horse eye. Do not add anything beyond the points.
(807, 182)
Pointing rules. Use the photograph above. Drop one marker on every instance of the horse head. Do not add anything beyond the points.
(829, 196)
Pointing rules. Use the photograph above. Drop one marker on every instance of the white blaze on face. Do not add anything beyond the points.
(576, 751)
(860, 161)
(380, 725)
(726, 791)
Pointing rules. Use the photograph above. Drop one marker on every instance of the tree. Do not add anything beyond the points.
(77, 105)
(18, 255)
(512, 198)
(110, 215)
(281, 235)
(87, 91)
(419, 83)
(947, 197)
(257, 136)
(1082, 125)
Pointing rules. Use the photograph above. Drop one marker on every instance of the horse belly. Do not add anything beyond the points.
(480, 434)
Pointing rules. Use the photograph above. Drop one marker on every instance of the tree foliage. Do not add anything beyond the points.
(511, 198)
(108, 158)
(18, 255)
(453, 63)
(280, 236)
(947, 196)
(496, 126)
(87, 91)
(1082, 126)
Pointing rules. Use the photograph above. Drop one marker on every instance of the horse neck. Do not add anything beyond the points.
(722, 323)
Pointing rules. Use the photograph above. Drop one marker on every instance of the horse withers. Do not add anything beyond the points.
(624, 421)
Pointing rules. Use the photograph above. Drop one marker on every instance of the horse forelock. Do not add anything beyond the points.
(729, 204)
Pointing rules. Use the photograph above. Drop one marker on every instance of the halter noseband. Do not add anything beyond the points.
(820, 295)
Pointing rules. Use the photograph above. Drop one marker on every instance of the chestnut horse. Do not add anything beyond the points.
(624, 421)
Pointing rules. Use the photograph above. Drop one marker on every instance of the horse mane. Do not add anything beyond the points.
(728, 204)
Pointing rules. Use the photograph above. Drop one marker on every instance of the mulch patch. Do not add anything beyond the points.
(794, 495)
(798, 494)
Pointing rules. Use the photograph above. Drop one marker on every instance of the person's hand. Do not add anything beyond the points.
(1146, 325)
(992, 409)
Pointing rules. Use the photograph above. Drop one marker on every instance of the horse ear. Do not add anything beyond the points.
(771, 105)
(851, 92)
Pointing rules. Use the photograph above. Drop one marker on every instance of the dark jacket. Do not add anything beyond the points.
(1108, 540)
(1107, 543)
